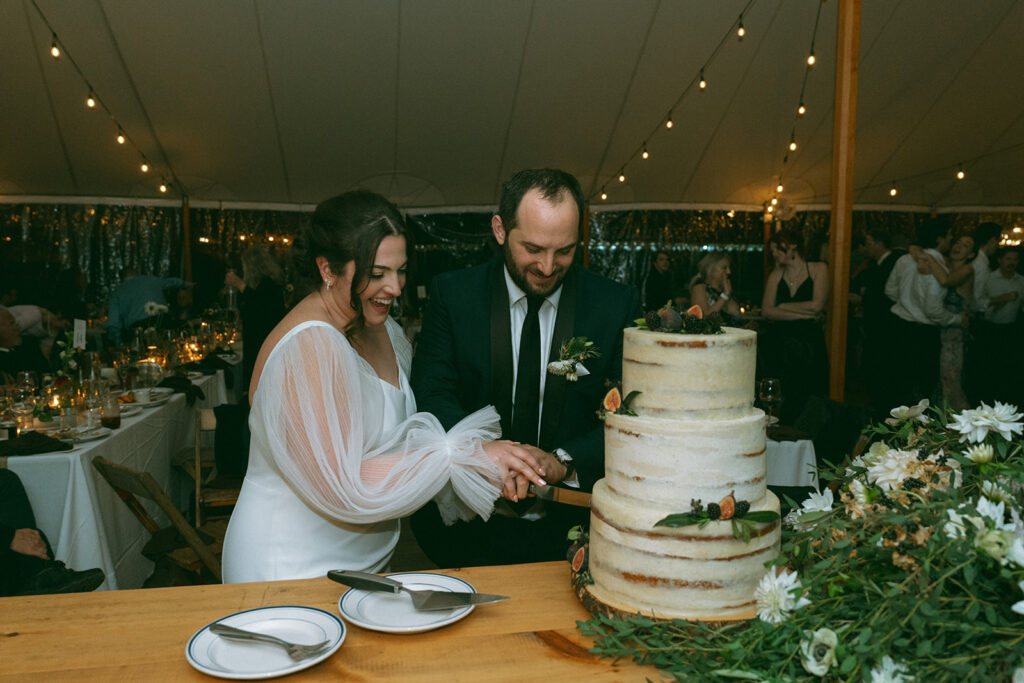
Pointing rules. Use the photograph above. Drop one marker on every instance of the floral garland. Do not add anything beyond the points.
(912, 569)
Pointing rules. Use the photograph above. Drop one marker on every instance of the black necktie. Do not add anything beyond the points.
(524, 410)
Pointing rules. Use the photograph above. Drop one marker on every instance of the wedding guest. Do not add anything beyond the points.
(986, 240)
(658, 288)
(956, 274)
(338, 452)
(920, 313)
(261, 303)
(27, 566)
(128, 302)
(488, 335)
(999, 334)
(794, 338)
(878, 317)
(711, 288)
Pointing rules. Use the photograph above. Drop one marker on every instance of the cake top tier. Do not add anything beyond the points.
(687, 376)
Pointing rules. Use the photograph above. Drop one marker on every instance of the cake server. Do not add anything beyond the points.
(421, 599)
(558, 494)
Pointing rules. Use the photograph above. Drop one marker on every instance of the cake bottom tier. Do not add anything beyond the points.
(685, 572)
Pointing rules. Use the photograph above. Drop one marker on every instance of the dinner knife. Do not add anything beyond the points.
(421, 599)
(558, 494)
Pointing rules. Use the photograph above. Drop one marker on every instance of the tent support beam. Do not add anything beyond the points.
(844, 128)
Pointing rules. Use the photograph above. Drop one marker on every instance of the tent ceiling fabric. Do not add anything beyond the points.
(434, 102)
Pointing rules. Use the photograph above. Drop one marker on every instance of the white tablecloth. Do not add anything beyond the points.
(87, 524)
(792, 463)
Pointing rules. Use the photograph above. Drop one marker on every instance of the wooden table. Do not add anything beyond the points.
(141, 634)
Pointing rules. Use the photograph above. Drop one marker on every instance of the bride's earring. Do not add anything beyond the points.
(329, 281)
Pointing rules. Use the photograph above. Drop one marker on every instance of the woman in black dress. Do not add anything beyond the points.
(260, 303)
(793, 343)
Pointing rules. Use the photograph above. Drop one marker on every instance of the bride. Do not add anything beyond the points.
(338, 452)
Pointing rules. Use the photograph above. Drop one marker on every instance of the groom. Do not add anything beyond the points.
(488, 335)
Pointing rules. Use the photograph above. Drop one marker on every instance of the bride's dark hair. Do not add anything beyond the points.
(346, 228)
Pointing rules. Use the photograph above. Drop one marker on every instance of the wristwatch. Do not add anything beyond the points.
(566, 460)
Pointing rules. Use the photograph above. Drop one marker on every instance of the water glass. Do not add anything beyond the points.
(769, 390)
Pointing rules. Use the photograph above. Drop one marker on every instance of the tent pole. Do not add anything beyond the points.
(843, 138)
(186, 233)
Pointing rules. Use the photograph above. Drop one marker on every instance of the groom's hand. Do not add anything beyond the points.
(554, 471)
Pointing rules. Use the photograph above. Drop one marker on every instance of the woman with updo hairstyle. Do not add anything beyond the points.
(338, 452)
(792, 343)
(711, 288)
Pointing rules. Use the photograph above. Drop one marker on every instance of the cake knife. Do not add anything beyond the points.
(421, 599)
(558, 494)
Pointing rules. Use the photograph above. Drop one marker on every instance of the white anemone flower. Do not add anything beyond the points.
(1018, 607)
(774, 595)
(571, 369)
(889, 671)
(859, 491)
(818, 651)
(957, 527)
(908, 414)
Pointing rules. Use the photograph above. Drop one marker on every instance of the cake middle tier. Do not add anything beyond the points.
(671, 462)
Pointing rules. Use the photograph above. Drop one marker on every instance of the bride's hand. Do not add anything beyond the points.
(518, 467)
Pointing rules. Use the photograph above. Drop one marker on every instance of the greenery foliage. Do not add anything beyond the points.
(912, 570)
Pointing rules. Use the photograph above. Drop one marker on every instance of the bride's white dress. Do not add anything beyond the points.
(338, 456)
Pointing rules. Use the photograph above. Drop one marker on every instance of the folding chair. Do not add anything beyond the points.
(199, 462)
(129, 483)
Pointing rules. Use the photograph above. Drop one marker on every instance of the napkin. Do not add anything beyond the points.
(182, 385)
(32, 443)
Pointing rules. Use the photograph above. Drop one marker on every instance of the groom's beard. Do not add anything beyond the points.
(518, 275)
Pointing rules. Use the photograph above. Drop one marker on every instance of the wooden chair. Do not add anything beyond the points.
(129, 483)
(200, 463)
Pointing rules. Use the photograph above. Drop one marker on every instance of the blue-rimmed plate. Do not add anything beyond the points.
(240, 660)
(394, 613)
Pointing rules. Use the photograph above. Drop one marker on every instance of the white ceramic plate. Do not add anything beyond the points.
(91, 435)
(235, 659)
(129, 409)
(394, 613)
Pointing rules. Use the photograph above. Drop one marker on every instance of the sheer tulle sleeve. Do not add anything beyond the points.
(317, 413)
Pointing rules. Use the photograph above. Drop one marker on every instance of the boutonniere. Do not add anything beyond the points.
(570, 359)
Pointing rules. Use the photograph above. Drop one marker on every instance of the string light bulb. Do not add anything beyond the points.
(775, 200)
(644, 154)
(90, 101)
(120, 137)
(810, 59)
(771, 209)
(144, 167)
(703, 84)
(792, 145)
(622, 177)
(668, 122)
(604, 196)
(801, 110)
(778, 188)
(740, 31)
(893, 191)
(163, 187)
(960, 175)
(54, 48)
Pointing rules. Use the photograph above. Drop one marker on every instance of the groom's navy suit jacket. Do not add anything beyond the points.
(463, 358)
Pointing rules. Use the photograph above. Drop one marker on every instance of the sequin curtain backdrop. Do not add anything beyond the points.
(38, 241)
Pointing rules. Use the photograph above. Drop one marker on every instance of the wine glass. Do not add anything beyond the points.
(769, 390)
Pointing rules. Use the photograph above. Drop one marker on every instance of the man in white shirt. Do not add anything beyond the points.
(986, 239)
(919, 315)
(999, 335)
(976, 353)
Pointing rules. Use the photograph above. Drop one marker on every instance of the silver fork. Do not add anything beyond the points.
(295, 651)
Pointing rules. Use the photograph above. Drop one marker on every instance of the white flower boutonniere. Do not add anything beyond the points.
(571, 355)
(153, 308)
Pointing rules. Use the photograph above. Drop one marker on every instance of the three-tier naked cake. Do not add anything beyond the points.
(696, 436)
